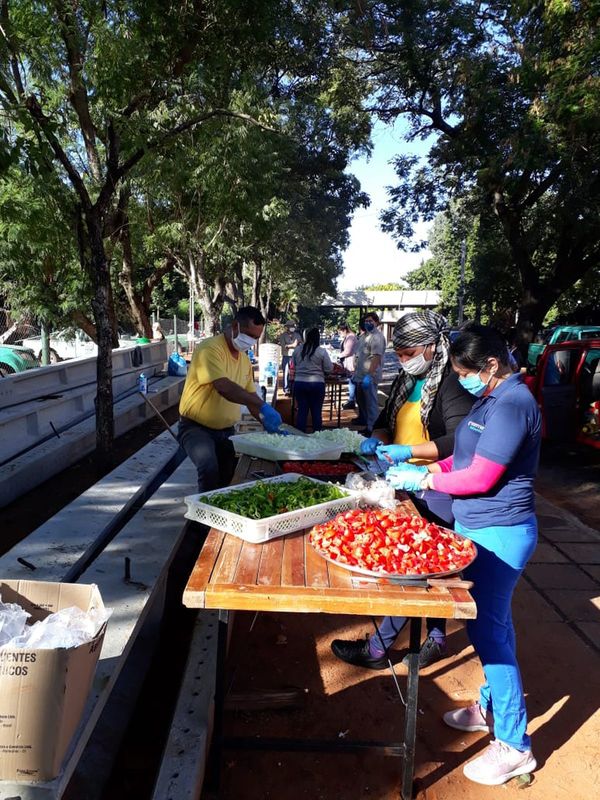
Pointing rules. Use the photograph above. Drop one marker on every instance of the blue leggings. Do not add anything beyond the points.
(503, 552)
(436, 507)
(310, 397)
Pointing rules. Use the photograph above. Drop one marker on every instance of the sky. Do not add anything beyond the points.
(371, 252)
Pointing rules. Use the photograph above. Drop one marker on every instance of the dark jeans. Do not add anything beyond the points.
(436, 507)
(210, 451)
(310, 397)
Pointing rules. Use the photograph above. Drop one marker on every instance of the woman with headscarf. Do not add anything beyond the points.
(424, 408)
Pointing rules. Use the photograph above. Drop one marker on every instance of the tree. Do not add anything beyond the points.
(89, 89)
(509, 92)
(490, 285)
(38, 253)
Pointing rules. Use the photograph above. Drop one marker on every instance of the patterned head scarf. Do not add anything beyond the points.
(415, 330)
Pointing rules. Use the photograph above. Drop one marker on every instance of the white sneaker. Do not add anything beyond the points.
(471, 718)
(499, 763)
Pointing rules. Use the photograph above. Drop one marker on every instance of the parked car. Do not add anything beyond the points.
(557, 334)
(74, 343)
(567, 388)
(16, 359)
(64, 344)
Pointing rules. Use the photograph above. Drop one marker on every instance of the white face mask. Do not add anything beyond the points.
(416, 365)
(242, 342)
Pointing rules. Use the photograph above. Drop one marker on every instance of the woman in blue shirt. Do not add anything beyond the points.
(491, 475)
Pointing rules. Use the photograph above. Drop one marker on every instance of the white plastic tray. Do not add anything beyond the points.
(277, 453)
(261, 530)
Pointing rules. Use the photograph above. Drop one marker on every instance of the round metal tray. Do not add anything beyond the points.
(400, 577)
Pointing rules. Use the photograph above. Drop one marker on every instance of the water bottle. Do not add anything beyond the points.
(270, 372)
(143, 384)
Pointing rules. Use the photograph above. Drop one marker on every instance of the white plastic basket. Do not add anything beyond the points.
(328, 452)
(261, 530)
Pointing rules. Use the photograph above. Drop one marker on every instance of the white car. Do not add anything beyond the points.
(70, 343)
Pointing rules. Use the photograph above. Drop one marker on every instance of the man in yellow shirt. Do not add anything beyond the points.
(218, 382)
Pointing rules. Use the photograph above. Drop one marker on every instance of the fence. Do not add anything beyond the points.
(15, 328)
(177, 333)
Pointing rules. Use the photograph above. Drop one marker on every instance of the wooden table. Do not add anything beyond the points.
(287, 575)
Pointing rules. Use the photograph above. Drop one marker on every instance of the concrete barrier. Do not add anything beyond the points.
(24, 386)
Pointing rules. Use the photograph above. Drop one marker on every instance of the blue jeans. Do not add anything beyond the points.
(503, 552)
(351, 391)
(436, 507)
(310, 397)
(210, 451)
(367, 403)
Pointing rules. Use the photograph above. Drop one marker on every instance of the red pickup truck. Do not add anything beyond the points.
(567, 388)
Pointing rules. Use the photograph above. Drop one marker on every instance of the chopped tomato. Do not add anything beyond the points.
(393, 543)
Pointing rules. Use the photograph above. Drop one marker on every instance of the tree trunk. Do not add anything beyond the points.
(87, 326)
(256, 282)
(211, 302)
(102, 317)
(265, 302)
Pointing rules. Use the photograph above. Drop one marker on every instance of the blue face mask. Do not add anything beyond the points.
(474, 384)
(369, 326)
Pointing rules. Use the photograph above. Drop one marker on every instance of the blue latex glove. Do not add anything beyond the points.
(407, 479)
(367, 381)
(407, 468)
(394, 452)
(369, 446)
(271, 419)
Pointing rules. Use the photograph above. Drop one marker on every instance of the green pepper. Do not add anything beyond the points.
(269, 499)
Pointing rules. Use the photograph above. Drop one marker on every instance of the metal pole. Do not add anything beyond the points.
(160, 416)
(192, 320)
(175, 339)
(461, 285)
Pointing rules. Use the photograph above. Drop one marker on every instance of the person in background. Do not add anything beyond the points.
(347, 351)
(491, 477)
(158, 334)
(218, 382)
(369, 370)
(516, 359)
(288, 341)
(311, 365)
(425, 406)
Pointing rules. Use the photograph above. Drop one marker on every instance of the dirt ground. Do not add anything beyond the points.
(557, 615)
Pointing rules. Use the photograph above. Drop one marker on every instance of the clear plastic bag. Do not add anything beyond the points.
(374, 490)
(13, 620)
(69, 627)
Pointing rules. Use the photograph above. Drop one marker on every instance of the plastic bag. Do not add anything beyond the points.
(374, 491)
(69, 627)
(13, 619)
(177, 365)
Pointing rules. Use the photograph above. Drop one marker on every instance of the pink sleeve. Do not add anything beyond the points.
(446, 464)
(477, 478)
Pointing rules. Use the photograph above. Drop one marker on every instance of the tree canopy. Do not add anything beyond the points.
(90, 89)
(509, 92)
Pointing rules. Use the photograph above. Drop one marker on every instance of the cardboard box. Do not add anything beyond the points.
(43, 692)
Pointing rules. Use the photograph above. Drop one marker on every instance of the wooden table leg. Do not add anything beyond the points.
(410, 723)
